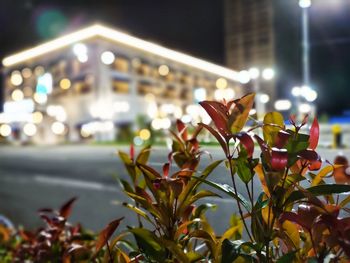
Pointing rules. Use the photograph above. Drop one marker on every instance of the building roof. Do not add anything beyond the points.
(114, 35)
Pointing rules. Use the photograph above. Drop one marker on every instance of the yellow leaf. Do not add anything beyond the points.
(240, 113)
(259, 170)
(326, 170)
(273, 123)
(291, 230)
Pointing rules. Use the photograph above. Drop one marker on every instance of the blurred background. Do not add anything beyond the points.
(80, 79)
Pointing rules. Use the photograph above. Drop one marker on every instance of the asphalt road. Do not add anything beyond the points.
(35, 177)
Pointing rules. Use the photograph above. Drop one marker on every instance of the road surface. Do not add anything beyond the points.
(34, 177)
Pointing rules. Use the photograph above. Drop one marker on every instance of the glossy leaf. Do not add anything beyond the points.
(279, 159)
(240, 113)
(227, 190)
(273, 123)
(143, 156)
(314, 134)
(326, 170)
(218, 114)
(218, 137)
(247, 142)
(326, 189)
(106, 233)
(66, 209)
(182, 129)
(149, 243)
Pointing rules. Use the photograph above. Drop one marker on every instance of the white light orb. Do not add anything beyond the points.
(268, 74)
(296, 91)
(254, 73)
(83, 58)
(57, 128)
(283, 105)
(39, 70)
(5, 130)
(200, 94)
(29, 129)
(311, 95)
(107, 57)
(17, 95)
(304, 3)
(244, 76)
(80, 49)
(138, 141)
(40, 98)
(305, 108)
(16, 78)
(264, 98)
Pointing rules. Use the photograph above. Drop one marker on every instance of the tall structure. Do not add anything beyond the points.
(93, 82)
(250, 37)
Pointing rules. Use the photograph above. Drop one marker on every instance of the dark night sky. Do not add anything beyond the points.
(195, 27)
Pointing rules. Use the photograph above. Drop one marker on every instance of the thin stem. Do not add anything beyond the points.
(109, 253)
(238, 203)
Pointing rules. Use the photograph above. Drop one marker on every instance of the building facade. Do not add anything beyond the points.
(93, 82)
(250, 38)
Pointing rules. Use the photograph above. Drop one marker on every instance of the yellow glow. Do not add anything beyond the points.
(221, 83)
(5, 130)
(163, 70)
(145, 134)
(65, 83)
(17, 95)
(16, 78)
(119, 37)
(37, 117)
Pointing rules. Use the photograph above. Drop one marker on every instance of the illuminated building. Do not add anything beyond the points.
(90, 83)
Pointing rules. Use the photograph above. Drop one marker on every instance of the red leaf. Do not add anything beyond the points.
(181, 127)
(219, 114)
(247, 142)
(66, 208)
(281, 139)
(279, 159)
(315, 165)
(166, 168)
(309, 155)
(314, 134)
(293, 217)
(106, 233)
(264, 147)
(132, 152)
(218, 137)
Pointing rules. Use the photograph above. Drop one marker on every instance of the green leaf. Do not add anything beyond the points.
(326, 189)
(201, 194)
(143, 156)
(243, 170)
(287, 258)
(203, 208)
(149, 244)
(138, 211)
(229, 251)
(225, 188)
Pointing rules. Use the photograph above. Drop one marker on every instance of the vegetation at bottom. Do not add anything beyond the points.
(298, 212)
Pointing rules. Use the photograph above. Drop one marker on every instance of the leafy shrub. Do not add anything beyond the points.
(297, 214)
(297, 217)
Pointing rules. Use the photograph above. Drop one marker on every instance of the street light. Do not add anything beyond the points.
(256, 75)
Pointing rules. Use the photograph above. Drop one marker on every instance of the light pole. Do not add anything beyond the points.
(305, 4)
